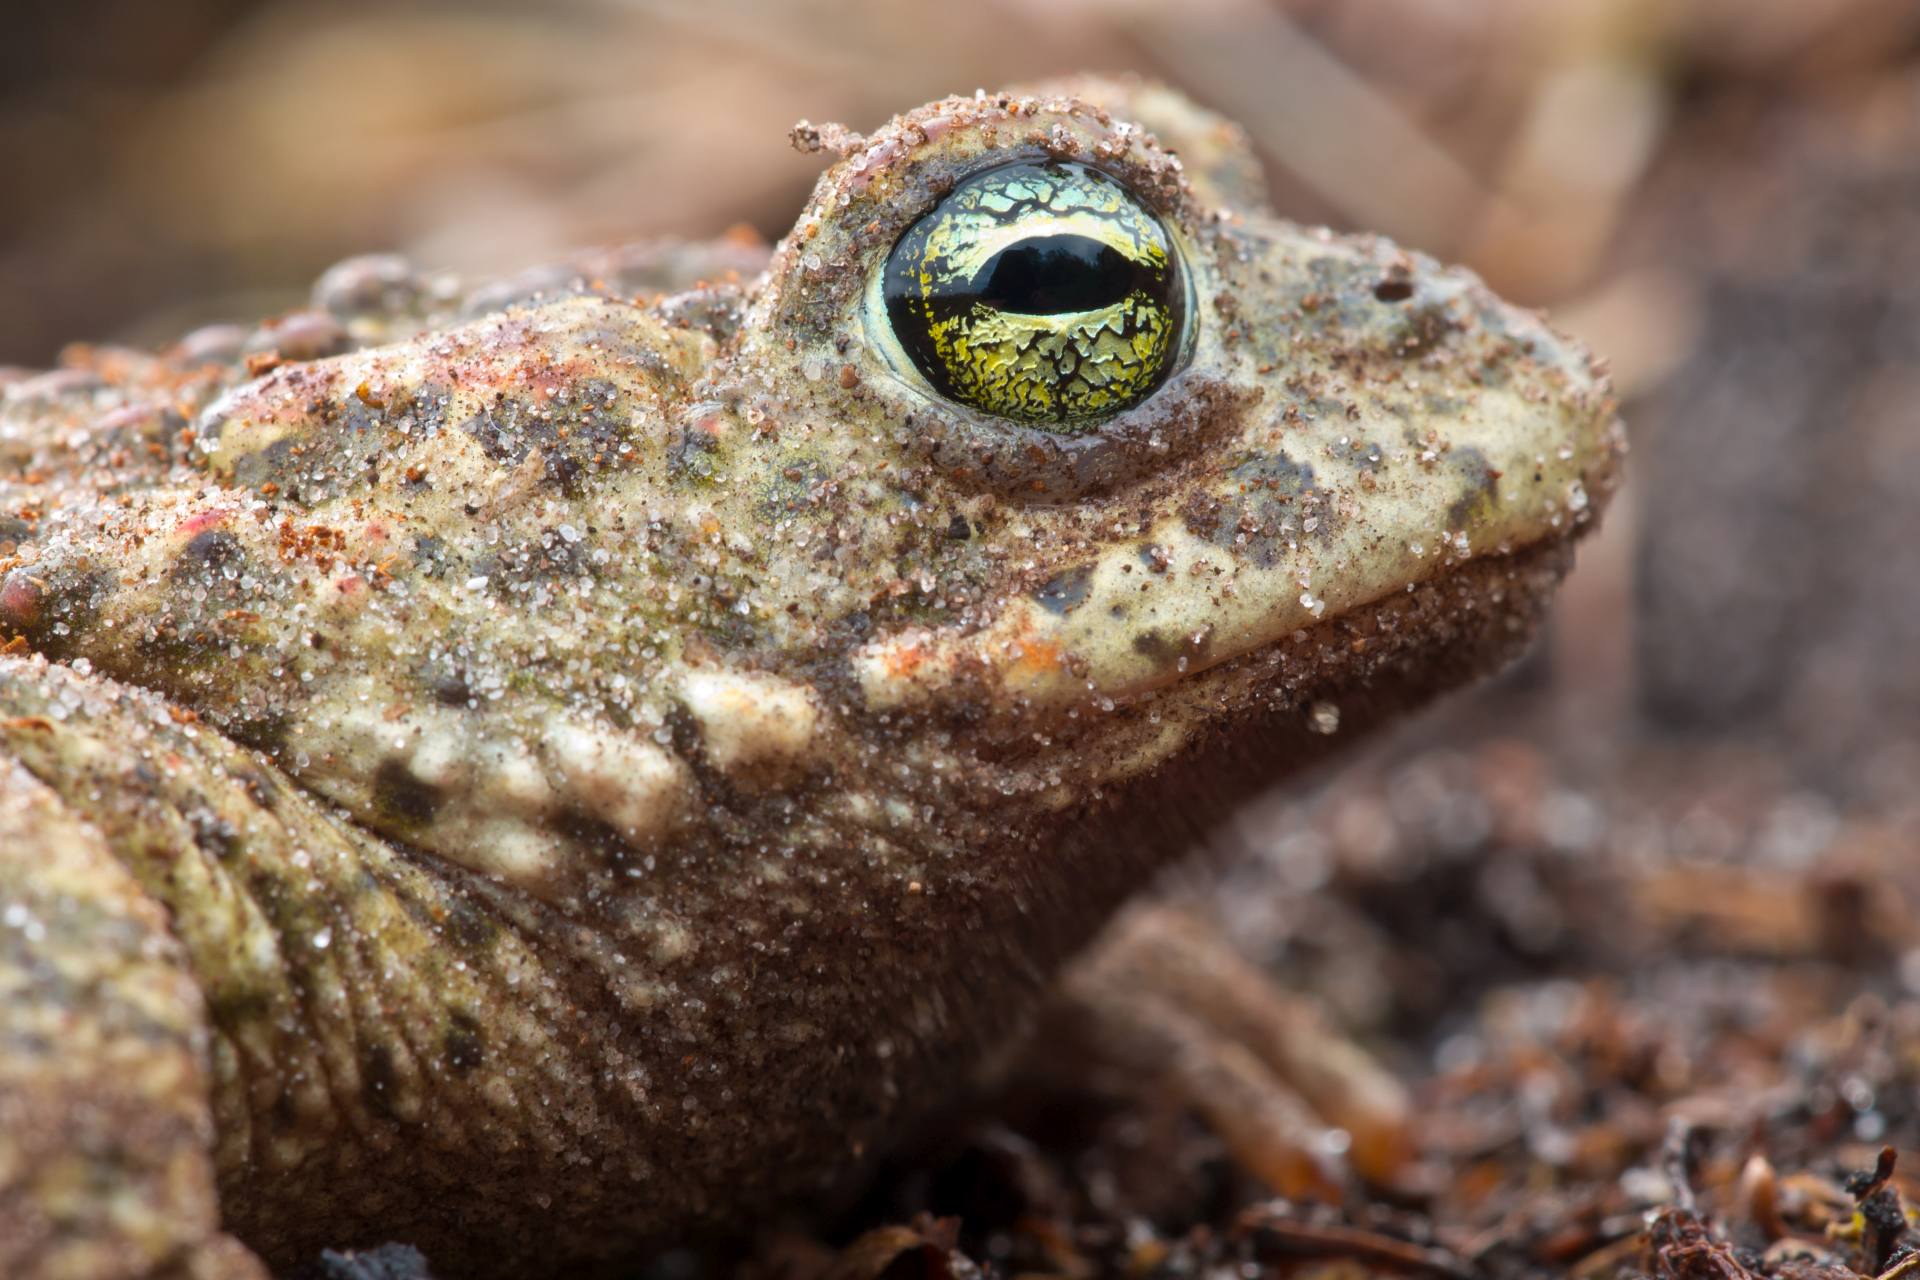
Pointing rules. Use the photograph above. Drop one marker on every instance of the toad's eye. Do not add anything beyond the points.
(1042, 292)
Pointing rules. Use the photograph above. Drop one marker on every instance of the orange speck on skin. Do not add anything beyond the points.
(906, 659)
(1038, 657)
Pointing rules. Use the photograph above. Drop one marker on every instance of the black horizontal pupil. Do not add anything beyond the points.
(1055, 275)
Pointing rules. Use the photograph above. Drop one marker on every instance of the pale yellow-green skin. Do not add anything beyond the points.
(543, 783)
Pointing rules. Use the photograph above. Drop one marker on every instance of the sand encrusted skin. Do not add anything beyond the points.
(104, 1120)
(605, 763)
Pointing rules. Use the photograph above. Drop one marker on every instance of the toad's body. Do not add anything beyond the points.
(547, 780)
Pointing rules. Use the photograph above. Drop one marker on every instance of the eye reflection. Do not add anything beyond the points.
(1041, 292)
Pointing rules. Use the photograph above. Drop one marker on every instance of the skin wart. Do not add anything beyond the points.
(543, 771)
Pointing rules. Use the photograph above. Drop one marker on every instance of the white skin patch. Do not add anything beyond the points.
(513, 850)
(749, 721)
(622, 779)
(496, 797)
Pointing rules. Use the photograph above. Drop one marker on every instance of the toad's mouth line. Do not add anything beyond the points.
(1278, 702)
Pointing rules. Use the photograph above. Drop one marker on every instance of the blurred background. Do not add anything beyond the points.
(1674, 855)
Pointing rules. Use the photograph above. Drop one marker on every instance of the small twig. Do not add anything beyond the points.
(1275, 1236)
(1674, 1159)
(1904, 1269)
(1862, 1185)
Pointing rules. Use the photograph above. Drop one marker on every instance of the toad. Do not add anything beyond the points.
(542, 770)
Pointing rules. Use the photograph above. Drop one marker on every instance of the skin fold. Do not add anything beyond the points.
(583, 760)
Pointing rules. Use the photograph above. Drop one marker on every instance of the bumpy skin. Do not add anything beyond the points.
(562, 776)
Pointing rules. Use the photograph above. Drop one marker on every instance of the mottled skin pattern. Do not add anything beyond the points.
(573, 770)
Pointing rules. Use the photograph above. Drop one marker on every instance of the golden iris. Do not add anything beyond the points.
(1039, 291)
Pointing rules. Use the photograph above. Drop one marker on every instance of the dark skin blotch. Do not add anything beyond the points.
(260, 787)
(563, 473)
(36, 607)
(214, 834)
(1201, 514)
(377, 1081)
(792, 489)
(1065, 591)
(430, 555)
(208, 552)
(277, 462)
(230, 1010)
(404, 798)
(464, 1044)
(267, 731)
(1483, 491)
(468, 926)
(571, 437)
(598, 838)
(1250, 523)
(270, 892)
(452, 691)
(1152, 644)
